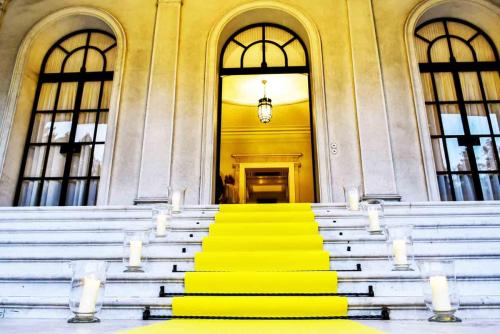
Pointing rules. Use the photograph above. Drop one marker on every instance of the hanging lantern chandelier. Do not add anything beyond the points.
(265, 108)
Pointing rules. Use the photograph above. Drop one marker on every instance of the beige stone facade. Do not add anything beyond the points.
(367, 104)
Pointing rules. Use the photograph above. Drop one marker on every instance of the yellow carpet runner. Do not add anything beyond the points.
(261, 249)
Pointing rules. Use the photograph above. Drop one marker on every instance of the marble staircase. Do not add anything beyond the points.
(36, 245)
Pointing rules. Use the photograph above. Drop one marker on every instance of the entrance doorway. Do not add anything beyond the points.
(265, 134)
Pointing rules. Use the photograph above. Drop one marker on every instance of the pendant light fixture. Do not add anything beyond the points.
(265, 108)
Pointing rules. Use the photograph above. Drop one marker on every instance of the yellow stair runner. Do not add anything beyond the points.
(261, 249)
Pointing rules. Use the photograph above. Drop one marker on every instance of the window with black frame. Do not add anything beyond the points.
(460, 71)
(64, 148)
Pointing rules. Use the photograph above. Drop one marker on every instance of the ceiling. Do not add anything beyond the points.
(281, 88)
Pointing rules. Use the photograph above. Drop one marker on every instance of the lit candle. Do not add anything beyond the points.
(440, 293)
(176, 201)
(373, 220)
(399, 251)
(89, 295)
(161, 225)
(353, 198)
(135, 253)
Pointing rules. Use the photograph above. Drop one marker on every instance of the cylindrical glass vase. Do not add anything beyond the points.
(135, 250)
(176, 197)
(86, 296)
(162, 218)
(440, 289)
(374, 213)
(352, 196)
(400, 246)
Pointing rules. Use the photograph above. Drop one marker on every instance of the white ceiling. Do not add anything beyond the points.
(281, 88)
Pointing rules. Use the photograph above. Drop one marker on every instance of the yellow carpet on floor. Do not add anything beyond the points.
(261, 249)
(256, 327)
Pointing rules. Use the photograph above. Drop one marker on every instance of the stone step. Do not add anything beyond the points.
(331, 235)
(36, 245)
(167, 251)
(472, 307)
(142, 285)
(432, 211)
(189, 224)
(33, 270)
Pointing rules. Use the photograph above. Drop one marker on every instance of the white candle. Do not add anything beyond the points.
(353, 198)
(399, 251)
(161, 225)
(440, 293)
(89, 295)
(135, 253)
(374, 220)
(176, 201)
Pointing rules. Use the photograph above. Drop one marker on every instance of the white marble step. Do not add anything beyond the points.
(160, 271)
(17, 267)
(418, 208)
(459, 210)
(472, 307)
(202, 224)
(166, 251)
(36, 245)
(334, 234)
(101, 212)
(135, 287)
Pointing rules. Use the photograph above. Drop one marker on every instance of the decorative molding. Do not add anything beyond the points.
(19, 72)
(317, 95)
(416, 85)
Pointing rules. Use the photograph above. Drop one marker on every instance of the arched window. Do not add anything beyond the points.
(65, 144)
(460, 71)
(264, 48)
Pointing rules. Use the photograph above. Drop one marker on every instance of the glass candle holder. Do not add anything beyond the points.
(135, 250)
(400, 246)
(162, 217)
(352, 197)
(86, 296)
(440, 289)
(176, 197)
(374, 213)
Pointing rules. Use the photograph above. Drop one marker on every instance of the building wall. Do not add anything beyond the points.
(343, 93)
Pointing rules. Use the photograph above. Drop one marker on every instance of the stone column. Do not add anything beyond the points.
(376, 156)
(160, 109)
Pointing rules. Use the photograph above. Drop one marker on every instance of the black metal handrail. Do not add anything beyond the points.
(164, 294)
(384, 315)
